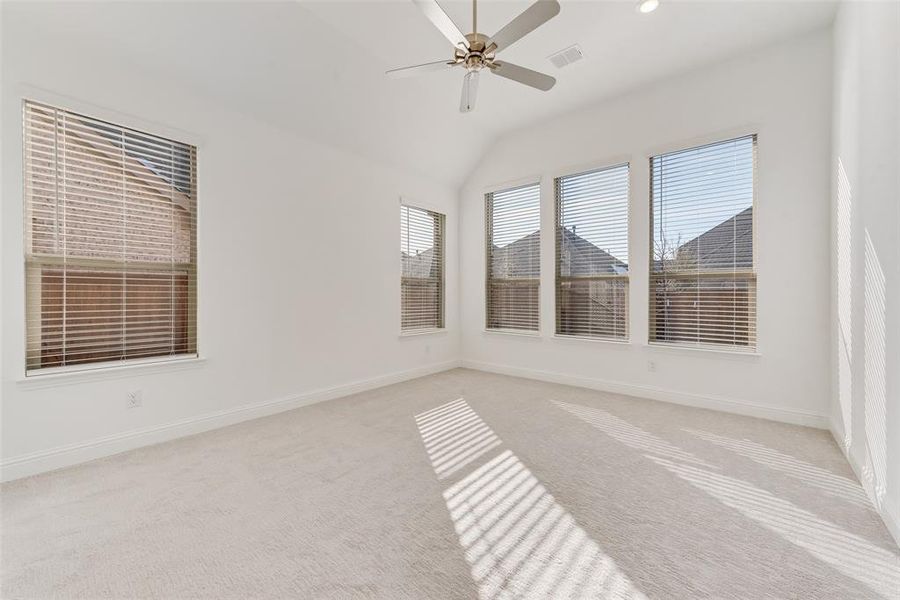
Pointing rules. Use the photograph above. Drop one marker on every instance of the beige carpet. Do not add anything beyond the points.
(458, 485)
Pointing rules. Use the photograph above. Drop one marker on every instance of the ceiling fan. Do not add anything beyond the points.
(476, 51)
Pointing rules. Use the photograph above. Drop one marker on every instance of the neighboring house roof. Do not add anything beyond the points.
(521, 259)
(582, 258)
(419, 265)
(728, 245)
(139, 166)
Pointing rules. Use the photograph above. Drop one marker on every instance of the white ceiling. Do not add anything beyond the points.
(317, 67)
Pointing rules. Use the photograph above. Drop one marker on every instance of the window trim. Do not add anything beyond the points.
(104, 371)
(723, 136)
(616, 342)
(488, 196)
(526, 333)
(26, 93)
(511, 184)
(622, 161)
(407, 333)
(715, 137)
(29, 93)
(411, 333)
(728, 351)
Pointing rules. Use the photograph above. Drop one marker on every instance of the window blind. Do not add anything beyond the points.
(592, 253)
(110, 242)
(422, 264)
(702, 271)
(513, 224)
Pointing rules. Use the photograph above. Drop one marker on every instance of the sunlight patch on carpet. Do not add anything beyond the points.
(519, 542)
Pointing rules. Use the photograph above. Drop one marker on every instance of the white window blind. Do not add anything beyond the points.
(592, 253)
(702, 270)
(513, 223)
(110, 242)
(422, 264)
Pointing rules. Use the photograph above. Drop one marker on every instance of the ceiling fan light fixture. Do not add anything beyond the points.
(647, 6)
(469, 91)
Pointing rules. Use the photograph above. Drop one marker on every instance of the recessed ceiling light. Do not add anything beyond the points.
(647, 6)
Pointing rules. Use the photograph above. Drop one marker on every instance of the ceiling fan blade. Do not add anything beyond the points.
(534, 16)
(440, 65)
(469, 92)
(444, 23)
(523, 75)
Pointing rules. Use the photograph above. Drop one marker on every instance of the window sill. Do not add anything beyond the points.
(107, 371)
(619, 342)
(417, 332)
(724, 352)
(526, 333)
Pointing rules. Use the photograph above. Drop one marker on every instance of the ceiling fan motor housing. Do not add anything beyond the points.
(479, 54)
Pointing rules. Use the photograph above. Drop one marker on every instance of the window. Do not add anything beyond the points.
(422, 264)
(702, 269)
(513, 220)
(110, 242)
(592, 254)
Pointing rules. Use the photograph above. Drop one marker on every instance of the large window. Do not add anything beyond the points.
(592, 254)
(513, 224)
(702, 269)
(110, 242)
(422, 265)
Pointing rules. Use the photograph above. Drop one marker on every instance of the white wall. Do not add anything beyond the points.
(783, 93)
(865, 168)
(298, 267)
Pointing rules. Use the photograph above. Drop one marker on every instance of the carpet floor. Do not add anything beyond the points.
(458, 485)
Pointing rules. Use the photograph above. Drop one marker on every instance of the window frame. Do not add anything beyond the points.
(488, 199)
(441, 281)
(104, 369)
(750, 350)
(558, 278)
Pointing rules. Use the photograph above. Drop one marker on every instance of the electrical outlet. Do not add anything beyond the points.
(427, 348)
(135, 399)
(651, 365)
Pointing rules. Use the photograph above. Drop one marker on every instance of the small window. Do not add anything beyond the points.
(110, 242)
(513, 219)
(592, 254)
(422, 269)
(702, 269)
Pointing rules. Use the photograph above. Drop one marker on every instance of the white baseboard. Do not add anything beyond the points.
(64, 456)
(891, 520)
(784, 415)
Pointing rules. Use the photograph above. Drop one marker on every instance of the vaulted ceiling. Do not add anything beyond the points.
(318, 67)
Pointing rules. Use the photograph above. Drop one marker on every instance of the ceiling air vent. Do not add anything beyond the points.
(567, 56)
